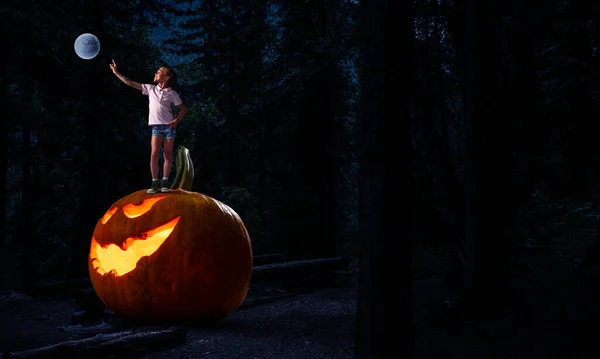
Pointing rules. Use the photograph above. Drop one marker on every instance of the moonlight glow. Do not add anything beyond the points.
(87, 46)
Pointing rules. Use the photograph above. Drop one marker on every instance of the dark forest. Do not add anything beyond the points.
(417, 178)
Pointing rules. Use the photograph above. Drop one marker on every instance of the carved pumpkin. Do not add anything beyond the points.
(174, 255)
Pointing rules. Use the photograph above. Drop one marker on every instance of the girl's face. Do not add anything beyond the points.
(161, 75)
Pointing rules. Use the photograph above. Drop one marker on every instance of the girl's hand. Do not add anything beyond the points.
(113, 67)
(173, 124)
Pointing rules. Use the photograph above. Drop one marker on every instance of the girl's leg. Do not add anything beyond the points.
(156, 143)
(168, 156)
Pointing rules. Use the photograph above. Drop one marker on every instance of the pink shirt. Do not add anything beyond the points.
(160, 101)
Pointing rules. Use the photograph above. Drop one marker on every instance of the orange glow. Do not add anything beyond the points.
(132, 211)
(108, 214)
(122, 261)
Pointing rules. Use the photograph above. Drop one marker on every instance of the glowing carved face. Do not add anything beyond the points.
(123, 259)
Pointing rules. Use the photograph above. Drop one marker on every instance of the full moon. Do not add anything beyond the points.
(87, 46)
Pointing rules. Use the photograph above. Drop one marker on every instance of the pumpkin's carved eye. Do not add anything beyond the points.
(108, 214)
(132, 211)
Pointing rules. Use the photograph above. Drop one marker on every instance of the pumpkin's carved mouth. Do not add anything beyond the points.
(120, 261)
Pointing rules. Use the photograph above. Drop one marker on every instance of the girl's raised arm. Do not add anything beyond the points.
(125, 80)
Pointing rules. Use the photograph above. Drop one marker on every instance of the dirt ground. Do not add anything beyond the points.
(317, 323)
(27, 322)
(312, 325)
(550, 321)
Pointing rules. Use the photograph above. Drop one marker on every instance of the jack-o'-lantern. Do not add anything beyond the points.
(170, 256)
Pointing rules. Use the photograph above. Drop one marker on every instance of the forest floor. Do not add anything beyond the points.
(320, 323)
(555, 311)
(310, 323)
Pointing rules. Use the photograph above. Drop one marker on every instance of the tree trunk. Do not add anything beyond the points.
(488, 166)
(88, 214)
(258, 21)
(454, 188)
(582, 145)
(385, 182)
(232, 168)
(524, 99)
(332, 176)
(208, 87)
(4, 94)
(25, 230)
(457, 25)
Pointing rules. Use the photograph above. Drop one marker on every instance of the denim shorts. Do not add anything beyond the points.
(165, 131)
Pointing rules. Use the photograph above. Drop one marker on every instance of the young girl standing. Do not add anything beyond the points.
(161, 119)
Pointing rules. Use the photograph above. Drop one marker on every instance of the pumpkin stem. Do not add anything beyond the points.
(184, 170)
